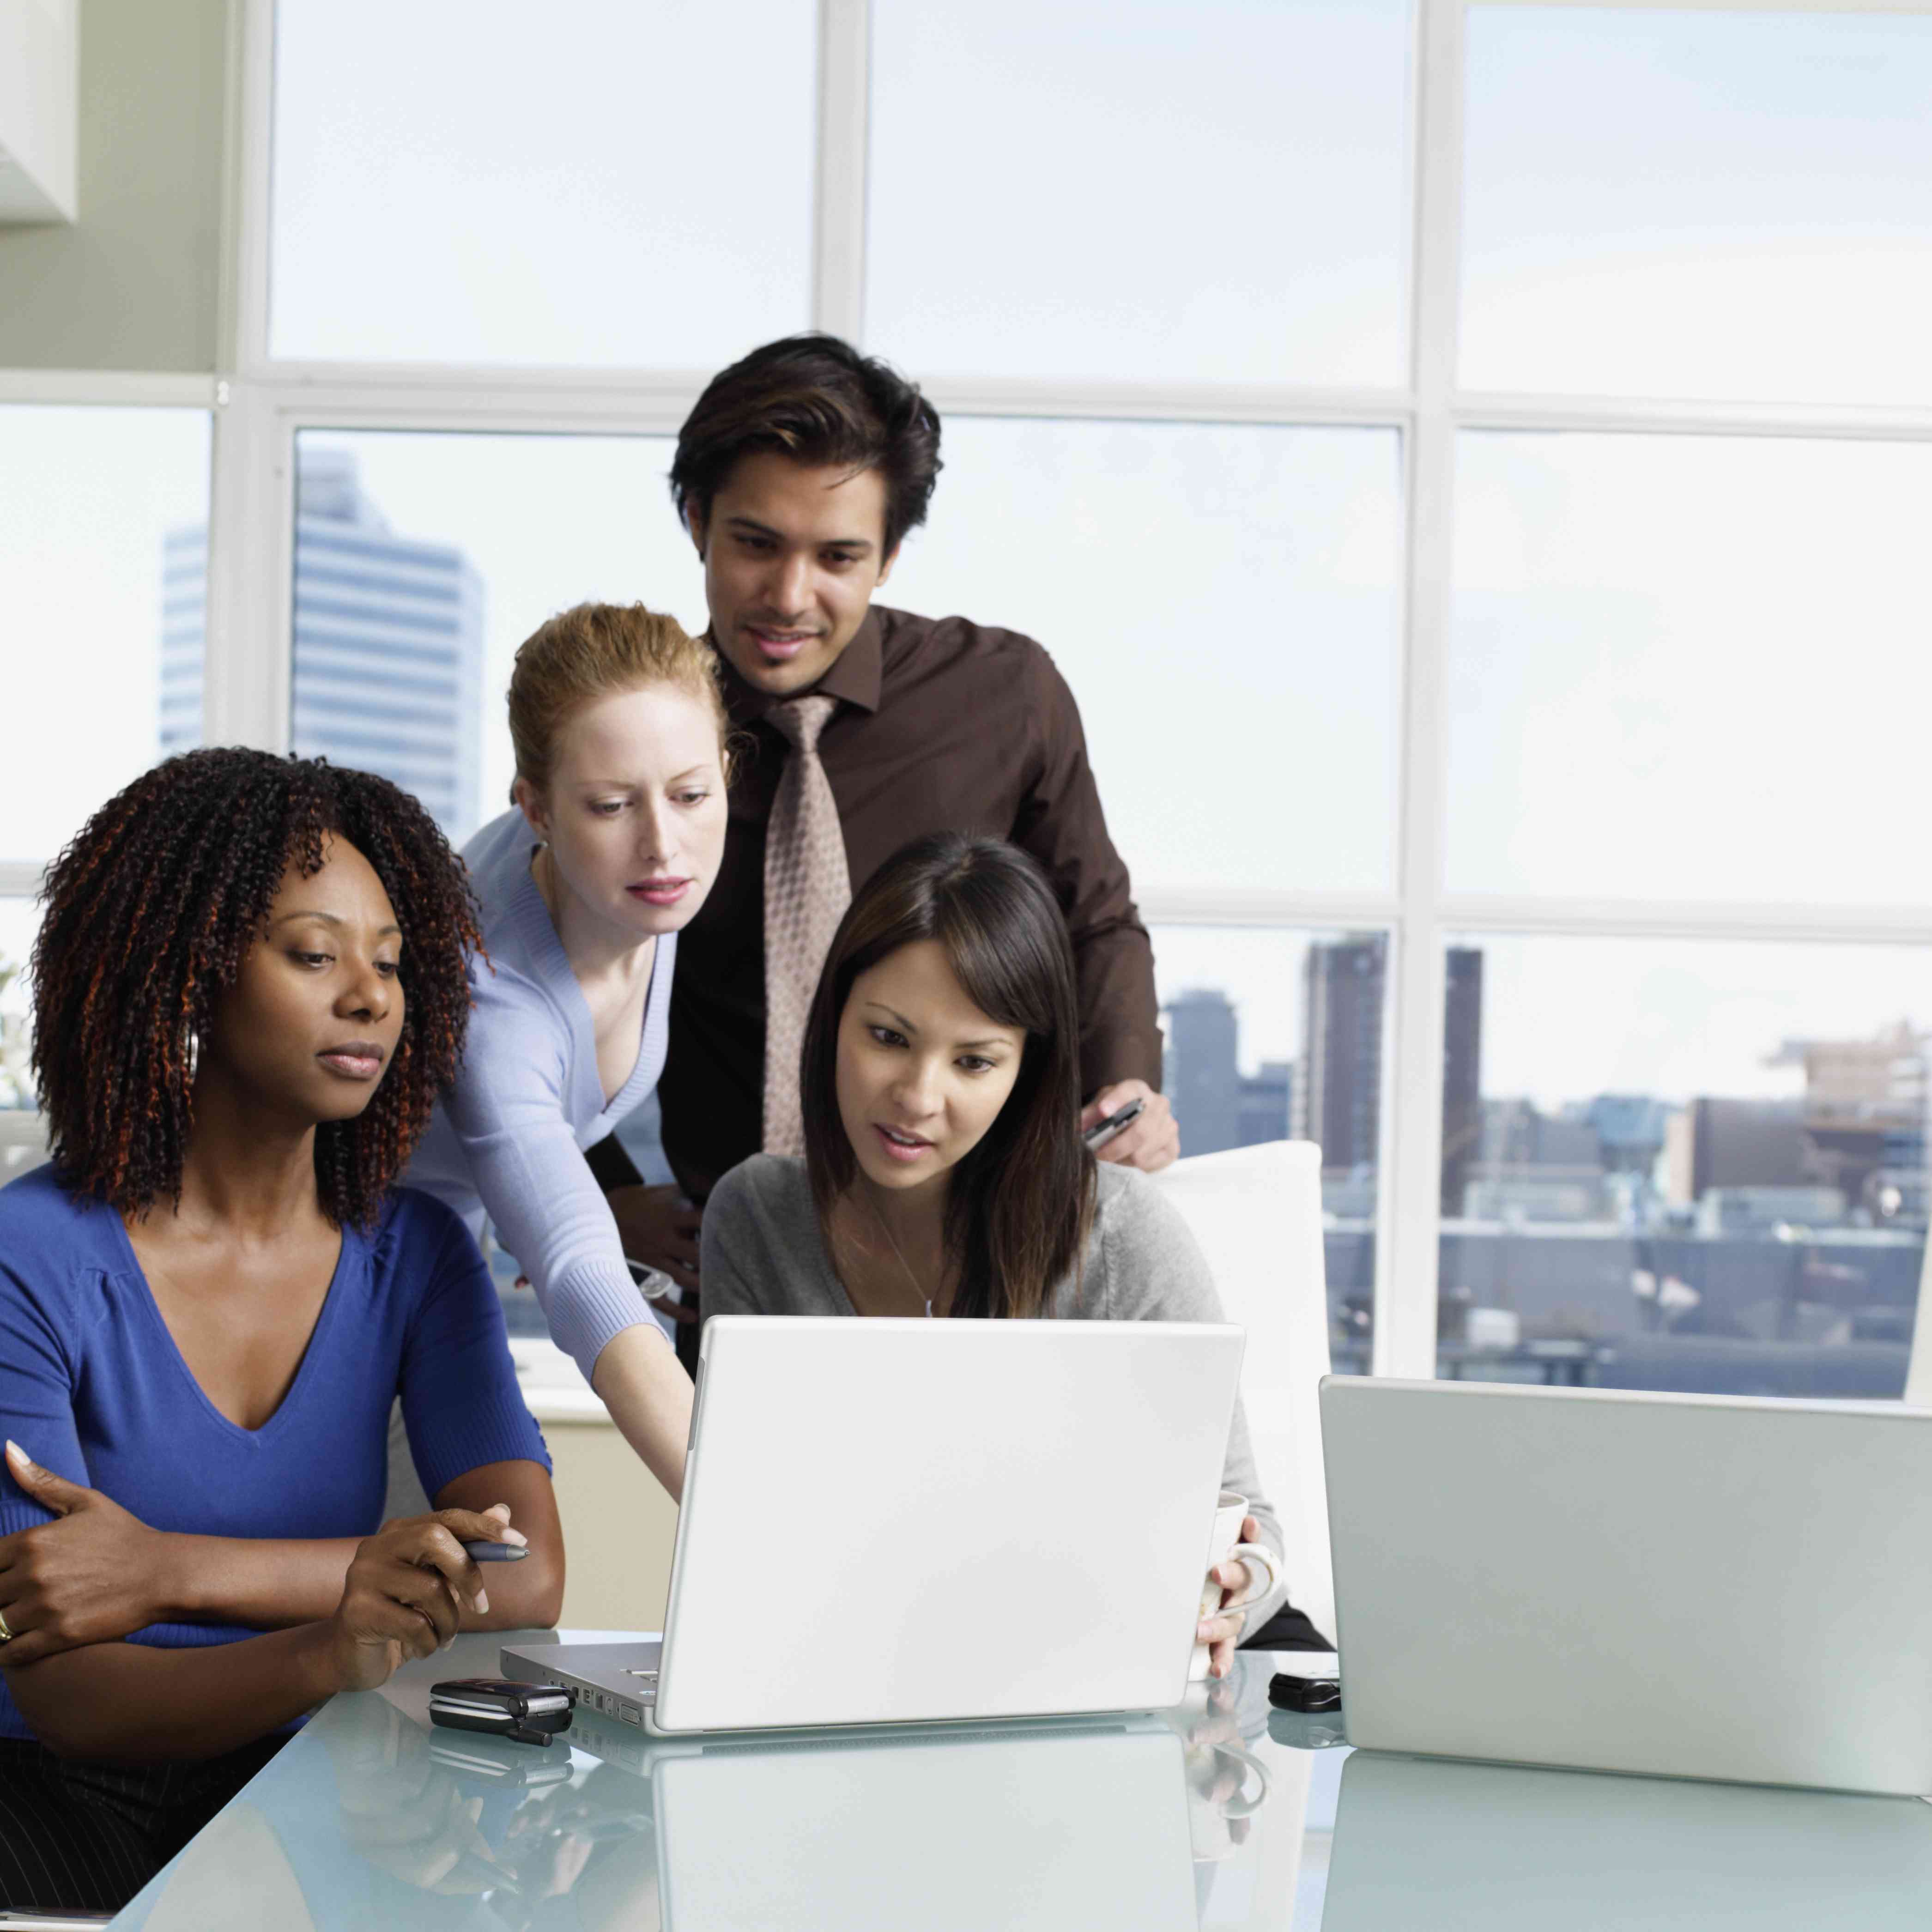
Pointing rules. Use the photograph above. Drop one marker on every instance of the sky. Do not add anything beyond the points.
(86, 495)
(479, 181)
(1702, 202)
(1679, 668)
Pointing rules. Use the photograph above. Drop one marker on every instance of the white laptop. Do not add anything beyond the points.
(1083, 1822)
(913, 1522)
(1694, 1586)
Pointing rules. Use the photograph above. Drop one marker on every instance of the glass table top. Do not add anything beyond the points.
(1221, 1814)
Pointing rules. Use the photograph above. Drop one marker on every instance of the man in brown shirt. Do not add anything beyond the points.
(798, 474)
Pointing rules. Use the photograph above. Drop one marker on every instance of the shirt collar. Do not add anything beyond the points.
(855, 676)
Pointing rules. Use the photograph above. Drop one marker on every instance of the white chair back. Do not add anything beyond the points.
(1919, 1362)
(23, 1142)
(1256, 1212)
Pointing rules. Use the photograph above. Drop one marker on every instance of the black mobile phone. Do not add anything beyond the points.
(1310, 1682)
(1102, 1131)
(526, 1713)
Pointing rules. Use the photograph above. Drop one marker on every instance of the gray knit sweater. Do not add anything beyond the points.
(762, 1254)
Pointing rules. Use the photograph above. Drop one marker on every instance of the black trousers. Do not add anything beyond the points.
(88, 1836)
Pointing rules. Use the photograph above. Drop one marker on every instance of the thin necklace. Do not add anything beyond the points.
(904, 1263)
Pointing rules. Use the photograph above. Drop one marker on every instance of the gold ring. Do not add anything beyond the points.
(6, 1635)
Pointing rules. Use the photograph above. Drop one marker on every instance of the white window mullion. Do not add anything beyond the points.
(244, 282)
(838, 254)
(1410, 1196)
(1059, 399)
(245, 673)
(245, 677)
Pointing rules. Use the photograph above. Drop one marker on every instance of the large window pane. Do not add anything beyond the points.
(1708, 202)
(101, 589)
(20, 919)
(1272, 1035)
(423, 561)
(1690, 667)
(1223, 601)
(591, 182)
(1128, 188)
(23, 1135)
(1694, 1165)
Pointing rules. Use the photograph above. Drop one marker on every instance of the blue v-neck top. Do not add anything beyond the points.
(93, 1387)
(507, 1138)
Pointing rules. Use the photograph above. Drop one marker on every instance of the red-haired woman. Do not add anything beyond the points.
(616, 835)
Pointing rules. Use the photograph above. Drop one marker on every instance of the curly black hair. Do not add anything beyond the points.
(150, 912)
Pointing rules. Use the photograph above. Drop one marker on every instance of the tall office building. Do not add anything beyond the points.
(1216, 1105)
(1462, 1071)
(1202, 1079)
(388, 644)
(1338, 1099)
(1267, 1103)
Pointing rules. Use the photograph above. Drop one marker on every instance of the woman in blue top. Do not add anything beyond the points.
(616, 836)
(249, 985)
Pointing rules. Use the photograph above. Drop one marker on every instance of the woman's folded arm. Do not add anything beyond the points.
(96, 1574)
(132, 1703)
(405, 1595)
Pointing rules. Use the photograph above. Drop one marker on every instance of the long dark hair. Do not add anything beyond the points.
(149, 913)
(1021, 1203)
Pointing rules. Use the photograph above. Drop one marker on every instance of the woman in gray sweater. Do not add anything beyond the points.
(944, 1173)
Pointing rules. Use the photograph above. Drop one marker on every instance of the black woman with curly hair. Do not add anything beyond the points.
(249, 987)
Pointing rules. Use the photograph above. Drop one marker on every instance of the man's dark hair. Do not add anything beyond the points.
(150, 912)
(817, 399)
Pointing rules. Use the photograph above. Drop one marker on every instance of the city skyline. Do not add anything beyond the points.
(1850, 1145)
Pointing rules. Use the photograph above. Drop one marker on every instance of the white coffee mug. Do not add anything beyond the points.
(1229, 1515)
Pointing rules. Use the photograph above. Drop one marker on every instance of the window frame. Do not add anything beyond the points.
(259, 405)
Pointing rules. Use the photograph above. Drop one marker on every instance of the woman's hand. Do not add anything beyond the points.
(1222, 1631)
(94, 1574)
(659, 1227)
(1151, 1142)
(406, 1593)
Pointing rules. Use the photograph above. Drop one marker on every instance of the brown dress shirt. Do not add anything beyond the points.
(944, 726)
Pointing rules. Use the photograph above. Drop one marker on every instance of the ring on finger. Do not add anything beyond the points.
(7, 1633)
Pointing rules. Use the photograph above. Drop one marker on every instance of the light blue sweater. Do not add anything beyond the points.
(507, 1138)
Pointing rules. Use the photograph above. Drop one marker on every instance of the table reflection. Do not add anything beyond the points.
(372, 1818)
(1453, 1845)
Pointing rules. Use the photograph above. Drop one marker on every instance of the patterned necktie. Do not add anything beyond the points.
(807, 889)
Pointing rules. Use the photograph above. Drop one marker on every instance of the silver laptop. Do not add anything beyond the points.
(1693, 1586)
(911, 1522)
(1081, 1822)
